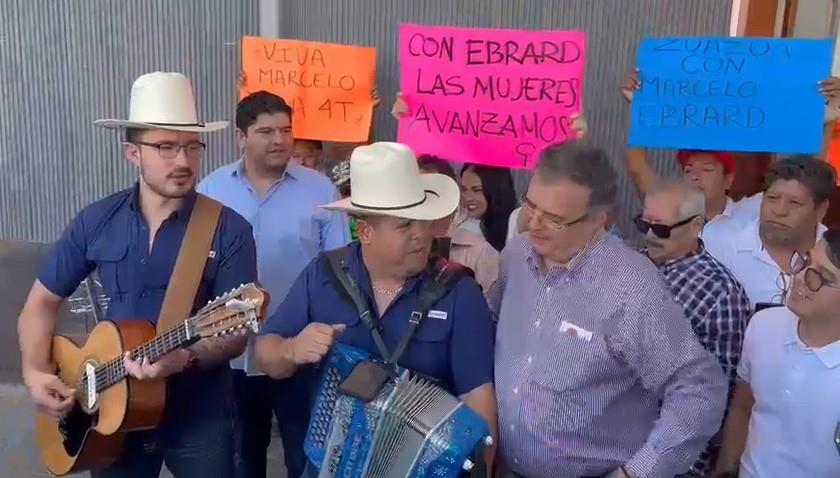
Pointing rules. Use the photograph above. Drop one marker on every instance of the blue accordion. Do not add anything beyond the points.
(412, 428)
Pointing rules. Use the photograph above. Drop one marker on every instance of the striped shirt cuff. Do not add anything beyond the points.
(643, 462)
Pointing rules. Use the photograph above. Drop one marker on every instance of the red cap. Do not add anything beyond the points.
(724, 158)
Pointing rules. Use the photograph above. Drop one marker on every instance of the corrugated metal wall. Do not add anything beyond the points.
(65, 63)
(614, 29)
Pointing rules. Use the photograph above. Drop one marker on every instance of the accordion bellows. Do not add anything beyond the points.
(412, 429)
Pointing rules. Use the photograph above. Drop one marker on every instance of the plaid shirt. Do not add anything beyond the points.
(718, 308)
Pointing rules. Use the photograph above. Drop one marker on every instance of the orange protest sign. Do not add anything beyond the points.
(328, 86)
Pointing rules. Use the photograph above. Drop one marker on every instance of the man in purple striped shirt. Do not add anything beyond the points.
(598, 371)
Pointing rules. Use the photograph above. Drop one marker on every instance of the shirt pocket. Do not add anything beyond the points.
(309, 234)
(109, 257)
(560, 385)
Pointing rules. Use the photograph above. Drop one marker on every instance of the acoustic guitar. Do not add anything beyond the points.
(110, 403)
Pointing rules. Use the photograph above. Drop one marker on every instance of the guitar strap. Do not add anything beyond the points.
(189, 266)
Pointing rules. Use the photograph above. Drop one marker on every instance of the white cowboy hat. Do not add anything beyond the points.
(385, 181)
(163, 101)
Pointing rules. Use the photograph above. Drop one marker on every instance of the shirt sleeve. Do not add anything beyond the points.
(656, 340)
(335, 232)
(496, 292)
(487, 267)
(238, 262)
(726, 321)
(292, 315)
(66, 265)
(744, 364)
(473, 339)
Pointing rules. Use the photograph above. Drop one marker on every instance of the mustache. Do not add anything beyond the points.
(775, 224)
(180, 172)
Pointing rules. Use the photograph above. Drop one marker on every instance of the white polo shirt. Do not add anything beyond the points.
(738, 246)
(796, 411)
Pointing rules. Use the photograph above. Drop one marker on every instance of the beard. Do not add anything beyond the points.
(777, 234)
(175, 185)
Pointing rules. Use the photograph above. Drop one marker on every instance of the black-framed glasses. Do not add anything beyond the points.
(814, 281)
(169, 150)
(662, 231)
(548, 219)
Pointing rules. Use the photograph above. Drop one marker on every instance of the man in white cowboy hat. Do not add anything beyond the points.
(280, 198)
(133, 238)
(395, 206)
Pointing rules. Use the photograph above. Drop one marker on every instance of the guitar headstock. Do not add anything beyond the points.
(238, 311)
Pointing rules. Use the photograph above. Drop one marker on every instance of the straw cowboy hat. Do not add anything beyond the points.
(163, 101)
(386, 181)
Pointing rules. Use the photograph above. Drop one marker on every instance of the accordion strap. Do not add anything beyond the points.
(445, 275)
(344, 283)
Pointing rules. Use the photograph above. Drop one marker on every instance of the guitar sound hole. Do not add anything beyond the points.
(74, 428)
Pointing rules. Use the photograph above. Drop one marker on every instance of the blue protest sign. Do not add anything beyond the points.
(730, 94)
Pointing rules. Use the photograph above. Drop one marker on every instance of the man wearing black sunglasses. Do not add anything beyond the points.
(784, 416)
(714, 302)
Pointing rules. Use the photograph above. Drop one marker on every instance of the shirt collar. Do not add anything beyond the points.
(685, 260)
(292, 170)
(829, 354)
(462, 237)
(182, 212)
(358, 271)
(728, 207)
(752, 239)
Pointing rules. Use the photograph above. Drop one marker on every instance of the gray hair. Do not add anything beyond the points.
(583, 165)
(692, 201)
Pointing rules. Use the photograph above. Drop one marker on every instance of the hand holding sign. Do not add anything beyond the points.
(329, 87)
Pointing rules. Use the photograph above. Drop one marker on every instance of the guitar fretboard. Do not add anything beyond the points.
(113, 371)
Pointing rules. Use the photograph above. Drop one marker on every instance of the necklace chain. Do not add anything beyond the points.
(389, 292)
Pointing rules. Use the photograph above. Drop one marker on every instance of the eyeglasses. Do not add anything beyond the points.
(169, 150)
(783, 282)
(814, 281)
(662, 231)
(547, 219)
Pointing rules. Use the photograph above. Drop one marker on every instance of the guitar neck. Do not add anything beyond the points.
(114, 371)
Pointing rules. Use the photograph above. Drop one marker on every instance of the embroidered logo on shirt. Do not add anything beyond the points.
(575, 331)
(437, 314)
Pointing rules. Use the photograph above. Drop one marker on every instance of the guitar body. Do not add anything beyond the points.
(92, 434)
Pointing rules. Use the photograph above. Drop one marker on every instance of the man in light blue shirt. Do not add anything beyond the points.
(279, 199)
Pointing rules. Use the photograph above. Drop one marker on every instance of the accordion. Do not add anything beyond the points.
(412, 428)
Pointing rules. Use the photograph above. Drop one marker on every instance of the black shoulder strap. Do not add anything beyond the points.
(446, 274)
(337, 261)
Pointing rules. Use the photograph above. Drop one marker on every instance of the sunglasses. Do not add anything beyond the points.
(662, 231)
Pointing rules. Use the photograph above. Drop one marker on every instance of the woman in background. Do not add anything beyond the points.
(487, 199)
(465, 247)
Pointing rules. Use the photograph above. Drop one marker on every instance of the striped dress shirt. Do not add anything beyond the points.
(597, 367)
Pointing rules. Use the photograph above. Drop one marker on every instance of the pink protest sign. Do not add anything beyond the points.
(488, 96)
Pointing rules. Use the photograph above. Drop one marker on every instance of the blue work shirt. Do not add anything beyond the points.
(289, 228)
(112, 235)
(454, 345)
